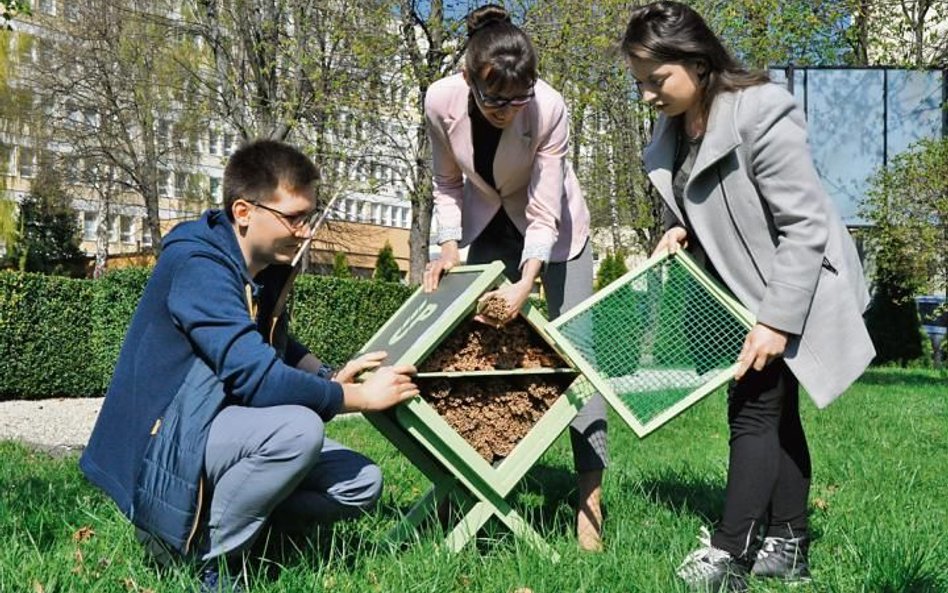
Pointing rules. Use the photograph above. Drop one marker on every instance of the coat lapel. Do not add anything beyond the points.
(515, 146)
(720, 140)
(721, 137)
(659, 158)
(458, 126)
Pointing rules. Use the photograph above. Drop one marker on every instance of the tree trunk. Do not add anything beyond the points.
(102, 235)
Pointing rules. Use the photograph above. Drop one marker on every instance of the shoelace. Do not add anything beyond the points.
(700, 562)
(768, 548)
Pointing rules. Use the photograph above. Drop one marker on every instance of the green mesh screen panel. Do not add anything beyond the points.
(656, 340)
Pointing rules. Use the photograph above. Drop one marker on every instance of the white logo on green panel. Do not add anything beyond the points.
(424, 311)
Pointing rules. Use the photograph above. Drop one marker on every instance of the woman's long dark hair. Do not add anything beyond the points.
(498, 52)
(673, 32)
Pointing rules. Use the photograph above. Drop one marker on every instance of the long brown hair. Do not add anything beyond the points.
(499, 52)
(671, 32)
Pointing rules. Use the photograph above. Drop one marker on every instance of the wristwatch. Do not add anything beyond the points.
(325, 371)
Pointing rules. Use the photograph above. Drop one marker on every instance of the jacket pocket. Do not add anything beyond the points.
(169, 491)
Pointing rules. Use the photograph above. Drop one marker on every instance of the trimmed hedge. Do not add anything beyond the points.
(45, 332)
(334, 317)
(60, 337)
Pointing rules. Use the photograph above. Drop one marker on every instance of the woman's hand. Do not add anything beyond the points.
(356, 366)
(674, 239)
(434, 270)
(514, 295)
(761, 346)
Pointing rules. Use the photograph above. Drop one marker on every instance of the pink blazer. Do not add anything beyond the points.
(536, 184)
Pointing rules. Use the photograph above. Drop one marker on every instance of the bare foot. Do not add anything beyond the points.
(589, 513)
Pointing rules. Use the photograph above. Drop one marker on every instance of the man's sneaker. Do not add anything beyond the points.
(712, 570)
(785, 558)
(215, 580)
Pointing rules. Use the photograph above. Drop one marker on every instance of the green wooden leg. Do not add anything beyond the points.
(468, 526)
(523, 530)
(425, 506)
(444, 483)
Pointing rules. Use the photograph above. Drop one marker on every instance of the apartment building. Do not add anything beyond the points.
(372, 206)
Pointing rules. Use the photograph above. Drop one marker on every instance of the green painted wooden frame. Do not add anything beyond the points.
(454, 467)
(602, 384)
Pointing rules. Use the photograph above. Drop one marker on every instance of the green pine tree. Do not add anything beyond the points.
(611, 268)
(340, 266)
(386, 268)
(47, 230)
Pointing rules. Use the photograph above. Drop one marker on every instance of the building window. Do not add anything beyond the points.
(71, 10)
(213, 141)
(164, 181)
(6, 156)
(163, 132)
(71, 171)
(127, 230)
(26, 162)
(228, 144)
(46, 6)
(216, 196)
(89, 224)
(180, 184)
(344, 126)
(113, 228)
(146, 233)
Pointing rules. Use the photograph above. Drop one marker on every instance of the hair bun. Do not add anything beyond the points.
(486, 16)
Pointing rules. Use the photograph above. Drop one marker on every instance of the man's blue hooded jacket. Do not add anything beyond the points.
(195, 344)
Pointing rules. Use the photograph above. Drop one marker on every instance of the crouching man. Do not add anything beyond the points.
(213, 424)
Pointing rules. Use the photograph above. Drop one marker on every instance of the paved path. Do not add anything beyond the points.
(57, 425)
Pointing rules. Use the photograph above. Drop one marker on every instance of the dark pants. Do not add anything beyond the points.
(566, 284)
(768, 479)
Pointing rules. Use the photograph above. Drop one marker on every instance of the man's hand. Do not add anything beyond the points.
(761, 346)
(436, 268)
(674, 239)
(357, 366)
(389, 386)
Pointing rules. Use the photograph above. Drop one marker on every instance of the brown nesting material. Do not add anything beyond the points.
(493, 414)
(495, 310)
(474, 346)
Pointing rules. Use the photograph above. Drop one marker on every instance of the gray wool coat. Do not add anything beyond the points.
(757, 207)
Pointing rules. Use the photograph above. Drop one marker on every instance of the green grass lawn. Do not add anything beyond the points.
(879, 509)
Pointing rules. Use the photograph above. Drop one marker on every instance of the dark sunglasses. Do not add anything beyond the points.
(294, 221)
(495, 102)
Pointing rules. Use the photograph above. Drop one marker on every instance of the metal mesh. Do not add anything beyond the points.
(657, 338)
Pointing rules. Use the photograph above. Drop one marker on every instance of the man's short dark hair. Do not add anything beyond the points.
(258, 168)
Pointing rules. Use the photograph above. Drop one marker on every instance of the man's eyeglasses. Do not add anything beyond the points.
(293, 221)
(494, 102)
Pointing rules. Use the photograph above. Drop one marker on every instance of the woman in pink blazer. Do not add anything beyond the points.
(503, 186)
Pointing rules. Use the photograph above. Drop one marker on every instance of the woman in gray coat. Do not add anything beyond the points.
(729, 157)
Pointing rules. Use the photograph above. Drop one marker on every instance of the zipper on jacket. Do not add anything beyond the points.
(829, 267)
(737, 229)
(197, 516)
